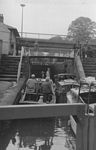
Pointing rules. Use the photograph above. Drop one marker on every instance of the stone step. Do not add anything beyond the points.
(90, 74)
(8, 75)
(10, 68)
(87, 65)
(10, 62)
(10, 72)
(89, 68)
(89, 59)
(92, 70)
(8, 79)
(90, 63)
(13, 77)
(12, 58)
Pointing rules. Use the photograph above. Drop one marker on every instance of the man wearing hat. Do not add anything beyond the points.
(47, 90)
(31, 85)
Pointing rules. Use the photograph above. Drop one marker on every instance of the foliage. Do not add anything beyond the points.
(82, 29)
(57, 39)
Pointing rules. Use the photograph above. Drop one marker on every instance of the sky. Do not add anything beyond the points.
(46, 16)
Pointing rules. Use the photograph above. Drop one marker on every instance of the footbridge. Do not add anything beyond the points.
(53, 51)
(39, 111)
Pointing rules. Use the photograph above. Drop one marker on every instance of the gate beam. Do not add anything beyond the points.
(40, 111)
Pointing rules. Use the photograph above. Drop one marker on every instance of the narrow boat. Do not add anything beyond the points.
(64, 82)
(84, 93)
(29, 97)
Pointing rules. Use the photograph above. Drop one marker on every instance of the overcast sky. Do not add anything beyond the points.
(46, 16)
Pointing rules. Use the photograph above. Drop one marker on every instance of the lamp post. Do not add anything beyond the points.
(22, 6)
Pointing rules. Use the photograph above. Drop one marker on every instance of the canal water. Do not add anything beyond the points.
(38, 134)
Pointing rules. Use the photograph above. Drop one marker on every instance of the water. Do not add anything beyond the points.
(38, 134)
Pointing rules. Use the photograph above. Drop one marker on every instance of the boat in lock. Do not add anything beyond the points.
(37, 97)
(64, 82)
(84, 93)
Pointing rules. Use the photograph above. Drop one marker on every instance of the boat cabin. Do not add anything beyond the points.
(63, 76)
(84, 93)
(64, 82)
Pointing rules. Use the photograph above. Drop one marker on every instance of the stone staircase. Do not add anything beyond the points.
(89, 65)
(9, 68)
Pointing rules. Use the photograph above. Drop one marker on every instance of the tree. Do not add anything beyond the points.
(57, 39)
(82, 29)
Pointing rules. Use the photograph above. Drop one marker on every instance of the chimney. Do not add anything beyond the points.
(1, 18)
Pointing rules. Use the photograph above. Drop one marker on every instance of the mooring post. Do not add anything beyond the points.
(92, 132)
(94, 144)
(86, 131)
(81, 133)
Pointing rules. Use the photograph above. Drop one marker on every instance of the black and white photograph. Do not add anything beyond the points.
(47, 74)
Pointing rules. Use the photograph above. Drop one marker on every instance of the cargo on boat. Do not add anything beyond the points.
(84, 93)
(64, 82)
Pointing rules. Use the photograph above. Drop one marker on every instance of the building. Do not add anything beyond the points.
(8, 36)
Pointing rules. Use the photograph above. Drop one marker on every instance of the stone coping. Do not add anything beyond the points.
(9, 91)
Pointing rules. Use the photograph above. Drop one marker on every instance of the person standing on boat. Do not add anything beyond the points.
(48, 73)
(31, 88)
(42, 74)
(31, 84)
(47, 90)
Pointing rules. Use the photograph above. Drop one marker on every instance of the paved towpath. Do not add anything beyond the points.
(8, 91)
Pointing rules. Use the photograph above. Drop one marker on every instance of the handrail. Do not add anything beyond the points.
(20, 63)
